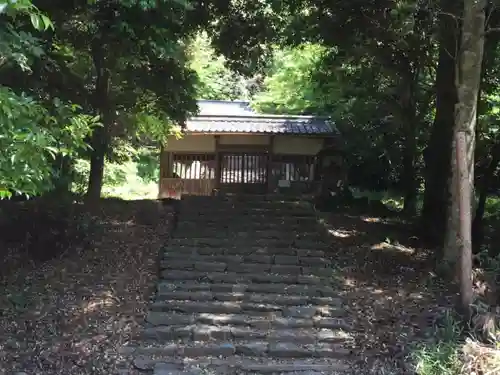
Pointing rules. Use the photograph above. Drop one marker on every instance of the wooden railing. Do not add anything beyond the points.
(176, 187)
(294, 167)
(197, 174)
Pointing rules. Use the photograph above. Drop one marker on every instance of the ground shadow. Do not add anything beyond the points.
(71, 312)
(386, 274)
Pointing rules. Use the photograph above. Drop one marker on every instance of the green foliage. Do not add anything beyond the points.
(114, 175)
(17, 47)
(148, 165)
(124, 181)
(152, 128)
(134, 187)
(31, 138)
(135, 78)
(215, 80)
(290, 86)
(441, 357)
(314, 79)
(33, 134)
(132, 173)
(16, 8)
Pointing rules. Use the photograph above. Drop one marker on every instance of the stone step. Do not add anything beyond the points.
(231, 333)
(164, 364)
(246, 225)
(189, 260)
(159, 318)
(281, 299)
(245, 208)
(222, 220)
(256, 200)
(247, 234)
(288, 289)
(244, 267)
(228, 307)
(248, 202)
(238, 277)
(270, 212)
(238, 242)
(254, 348)
(285, 218)
(254, 252)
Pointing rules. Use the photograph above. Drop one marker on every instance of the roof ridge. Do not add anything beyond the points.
(261, 116)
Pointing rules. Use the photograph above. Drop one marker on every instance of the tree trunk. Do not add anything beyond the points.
(100, 135)
(459, 247)
(63, 167)
(96, 175)
(438, 154)
(452, 235)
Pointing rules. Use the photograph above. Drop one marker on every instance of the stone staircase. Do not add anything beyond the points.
(246, 287)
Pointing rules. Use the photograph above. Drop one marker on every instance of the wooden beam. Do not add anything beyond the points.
(218, 165)
(169, 170)
(270, 159)
(162, 170)
(243, 148)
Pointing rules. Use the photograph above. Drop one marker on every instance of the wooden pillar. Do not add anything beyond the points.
(170, 165)
(162, 170)
(166, 168)
(218, 166)
(270, 159)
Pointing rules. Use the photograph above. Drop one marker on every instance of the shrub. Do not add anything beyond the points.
(441, 356)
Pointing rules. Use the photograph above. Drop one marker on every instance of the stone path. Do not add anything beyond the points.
(246, 286)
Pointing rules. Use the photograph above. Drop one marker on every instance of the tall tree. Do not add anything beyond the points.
(458, 244)
(438, 152)
(129, 69)
(34, 131)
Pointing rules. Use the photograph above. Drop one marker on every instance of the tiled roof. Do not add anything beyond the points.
(237, 117)
(258, 124)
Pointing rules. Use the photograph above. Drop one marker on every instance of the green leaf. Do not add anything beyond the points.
(52, 150)
(5, 193)
(36, 21)
(47, 23)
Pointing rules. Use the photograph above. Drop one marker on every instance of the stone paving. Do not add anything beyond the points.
(246, 287)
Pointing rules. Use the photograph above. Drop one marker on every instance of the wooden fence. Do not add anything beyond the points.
(192, 174)
(200, 174)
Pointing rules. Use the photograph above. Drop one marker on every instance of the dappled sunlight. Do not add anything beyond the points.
(341, 334)
(416, 296)
(128, 223)
(383, 273)
(349, 282)
(368, 219)
(341, 233)
(388, 246)
(80, 309)
(106, 301)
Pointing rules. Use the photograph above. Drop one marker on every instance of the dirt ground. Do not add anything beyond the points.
(76, 282)
(395, 299)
